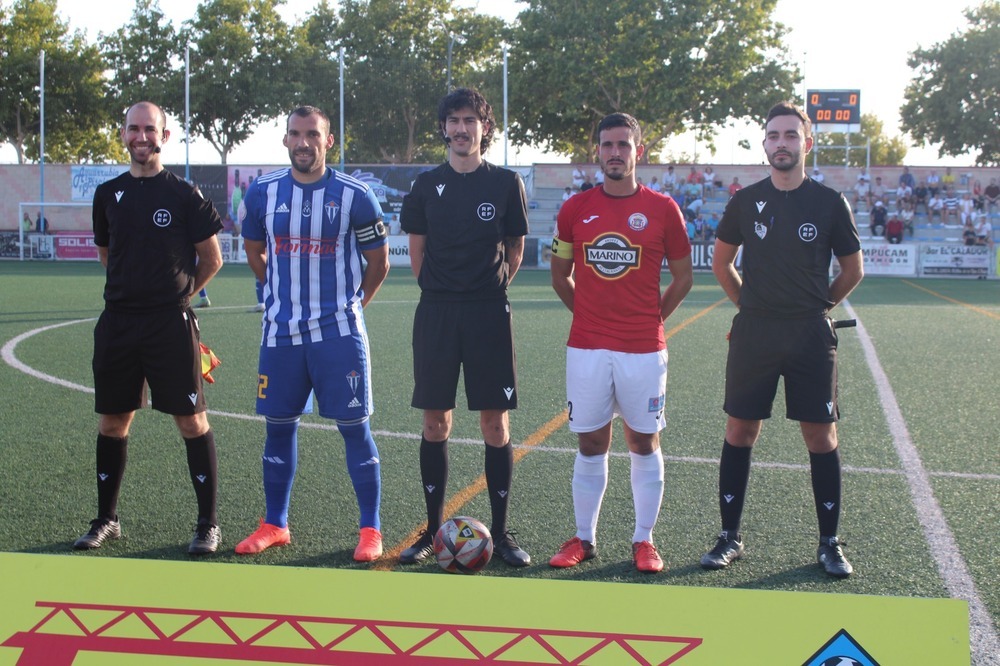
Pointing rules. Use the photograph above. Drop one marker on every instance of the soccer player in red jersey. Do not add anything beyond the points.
(610, 246)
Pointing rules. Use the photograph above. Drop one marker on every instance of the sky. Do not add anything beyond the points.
(851, 44)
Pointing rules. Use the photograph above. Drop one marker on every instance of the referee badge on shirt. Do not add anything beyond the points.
(637, 222)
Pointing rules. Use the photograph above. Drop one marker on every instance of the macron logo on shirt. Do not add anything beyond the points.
(118, 196)
(440, 189)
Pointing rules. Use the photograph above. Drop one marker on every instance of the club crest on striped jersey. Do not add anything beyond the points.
(611, 255)
(307, 209)
(331, 208)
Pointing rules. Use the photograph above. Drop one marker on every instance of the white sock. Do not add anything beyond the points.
(647, 493)
(590, 479)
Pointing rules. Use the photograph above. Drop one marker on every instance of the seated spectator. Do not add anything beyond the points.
(735, 186)
(699, 228)
(567, 193)
(878, 218)
(948, 179)
(692, 190)
(711, 226)
(708, 181)
(969, 233)
(578, 176)
(598, 176)
(862, 191)
(877, 192)
(920, 196)
(696, 178)
(978, 198)
(935, 207)
(655, 185)
(950, 206)
(904, 194)
(906, 215)
(991, 196)
(863, 176)
(669, 180)
(817, 176)
(587, 184)
(906, 178)
(933, 183)
(894, 230)
(966, 207)
(984, 232)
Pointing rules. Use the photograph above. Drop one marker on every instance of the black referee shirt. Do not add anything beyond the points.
(465, 218)
(788, 240)
(150, 227)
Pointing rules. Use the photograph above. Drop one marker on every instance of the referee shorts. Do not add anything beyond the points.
(158, 349)
(803, 351)
(476, 337)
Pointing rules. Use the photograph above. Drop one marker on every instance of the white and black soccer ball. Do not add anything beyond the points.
(841, 661)
(463, 545)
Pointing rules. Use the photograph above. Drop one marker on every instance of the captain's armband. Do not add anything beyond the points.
(371, 233)
(562, 250)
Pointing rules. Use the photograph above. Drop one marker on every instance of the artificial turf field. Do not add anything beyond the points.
(921, 484)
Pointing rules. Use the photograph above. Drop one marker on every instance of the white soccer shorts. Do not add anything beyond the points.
(601, 384)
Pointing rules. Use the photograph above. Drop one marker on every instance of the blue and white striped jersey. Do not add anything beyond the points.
(315, 235)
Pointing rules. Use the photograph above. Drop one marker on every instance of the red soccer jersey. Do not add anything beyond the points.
(619, 245)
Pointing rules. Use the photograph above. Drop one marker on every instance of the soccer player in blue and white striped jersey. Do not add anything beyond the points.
(306, 230)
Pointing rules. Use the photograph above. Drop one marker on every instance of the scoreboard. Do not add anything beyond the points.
(834, 110)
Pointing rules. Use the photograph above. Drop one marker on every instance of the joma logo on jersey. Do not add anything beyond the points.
(611, 255)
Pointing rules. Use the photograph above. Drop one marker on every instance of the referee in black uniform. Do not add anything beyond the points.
(149, 228)
(466, 222)
(789, 227)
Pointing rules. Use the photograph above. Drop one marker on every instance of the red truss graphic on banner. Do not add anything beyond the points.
(293, 639)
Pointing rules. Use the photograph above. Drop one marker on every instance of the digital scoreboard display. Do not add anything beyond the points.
(837, 108)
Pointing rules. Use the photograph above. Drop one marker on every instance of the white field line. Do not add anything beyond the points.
(952, 568)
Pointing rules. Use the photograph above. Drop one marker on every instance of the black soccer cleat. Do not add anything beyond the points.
(509, 551)
(830, 556)
(727, 549)
(206, 539)
(419, 551)
(101, 529)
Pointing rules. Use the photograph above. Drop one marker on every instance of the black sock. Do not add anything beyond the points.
(434, 477)
(112, 454)
(499, 472)
(734, 475)
(204, 475)
(825, 469)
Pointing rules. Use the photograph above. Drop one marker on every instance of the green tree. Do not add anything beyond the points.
(243, 71)
(317, 66)
(673, 64)
(397, 72)
(144, 57)
(75, 115)
(830, 148)
(954, 98)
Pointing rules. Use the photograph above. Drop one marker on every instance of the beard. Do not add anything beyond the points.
(791, 160)
(304, 167)
(616, 175)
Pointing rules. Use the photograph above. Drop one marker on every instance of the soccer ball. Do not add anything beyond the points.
(463, 545)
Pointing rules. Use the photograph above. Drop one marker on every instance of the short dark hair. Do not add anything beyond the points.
(620, 120)
(469, 98)
(789, 109)
(305, 111)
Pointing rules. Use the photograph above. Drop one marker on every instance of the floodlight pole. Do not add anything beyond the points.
(41, 135)
(505, 126)
(187, 113)
(342, 108)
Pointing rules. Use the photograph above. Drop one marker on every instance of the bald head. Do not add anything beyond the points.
(161, 117)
